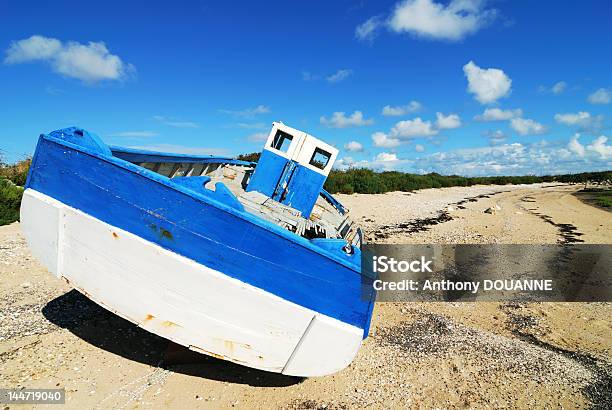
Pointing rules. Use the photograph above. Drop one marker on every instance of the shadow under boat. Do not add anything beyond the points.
(105, 330)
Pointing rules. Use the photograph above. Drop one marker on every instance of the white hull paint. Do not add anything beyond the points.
(182, 300)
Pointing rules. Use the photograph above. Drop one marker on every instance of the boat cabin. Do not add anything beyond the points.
(293, 168)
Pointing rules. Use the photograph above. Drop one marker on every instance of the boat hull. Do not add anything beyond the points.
(183, 300)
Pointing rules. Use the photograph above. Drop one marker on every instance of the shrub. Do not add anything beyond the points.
(10, 201)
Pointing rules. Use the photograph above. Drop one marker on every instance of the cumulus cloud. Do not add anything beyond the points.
(582, 119)
(399, 110)
(497, 114)
(601, 96)
(413, 128)
(368, 29)
(90, 63)
(600, 146)
(248, 112)
(597, 148)
(543, 157)
(339, 75)
(447, 122)
(382, 140)
(573, 118)
(557, 88)
(488, 84)
(32, 49)
(385, 157)
(575, 146)
(496, 137)
(419, 148)
(525, 126)
(353, 146)
(340, 120)
(429, 19)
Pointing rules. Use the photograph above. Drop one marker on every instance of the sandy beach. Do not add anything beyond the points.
(421, 355)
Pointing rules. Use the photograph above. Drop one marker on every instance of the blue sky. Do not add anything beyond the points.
(463, 86)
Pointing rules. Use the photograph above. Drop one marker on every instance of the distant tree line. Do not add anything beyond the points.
(366, 181)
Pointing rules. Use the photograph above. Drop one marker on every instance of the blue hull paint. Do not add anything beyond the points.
(203, 228)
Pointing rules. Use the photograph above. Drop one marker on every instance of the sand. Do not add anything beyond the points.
(418, 354)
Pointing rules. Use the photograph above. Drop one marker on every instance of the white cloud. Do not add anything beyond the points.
(344, 163)
(543, 157)
(258, 137)
(495, 137)
(601, 96)
(413, 128)
(339, 75)
(600, 147)
(419, 148)
(447, 122)
(32, 49)
(488, 85)
(582, 119)
(385, 157)
(399, 110)
(573, 118)
(89, 63)
(575, 146)
(340, 120)
(525, 126)
(175, 123)
(496, 114)
(182, 149)
(382, 140)
(559, 87)
(426, 18)
(134, 134)
(353, 146)
(248, 112)
(367, 30)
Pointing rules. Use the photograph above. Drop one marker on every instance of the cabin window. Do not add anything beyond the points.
(282, 141)
(320, 158)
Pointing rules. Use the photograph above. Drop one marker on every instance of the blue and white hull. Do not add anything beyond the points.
(191, 266)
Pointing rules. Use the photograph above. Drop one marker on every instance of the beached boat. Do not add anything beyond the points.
(252, 263)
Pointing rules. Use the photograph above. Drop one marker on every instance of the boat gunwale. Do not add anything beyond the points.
(165, 181)
(175, 157)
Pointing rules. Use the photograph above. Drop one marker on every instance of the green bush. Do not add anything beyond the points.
(10, 201)
(366, 181)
